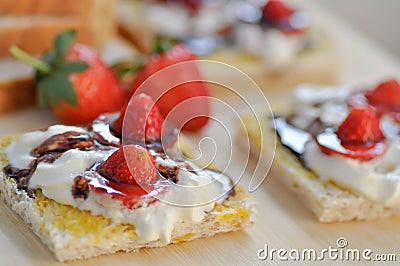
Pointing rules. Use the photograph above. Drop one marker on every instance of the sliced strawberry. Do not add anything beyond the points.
(131, 196)
(330, 144)
(361, 127)
(129, 175)
(129, 165)
(278, 15)
(358, 137)
(386, 96)
(143, 121)
(276, 10)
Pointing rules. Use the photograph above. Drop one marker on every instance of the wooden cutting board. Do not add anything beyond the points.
(282, 222)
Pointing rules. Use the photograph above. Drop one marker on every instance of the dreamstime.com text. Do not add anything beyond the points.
(338, 253)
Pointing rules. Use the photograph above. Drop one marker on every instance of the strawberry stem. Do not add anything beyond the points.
(123, 68)
(162, 44)
(26, 58)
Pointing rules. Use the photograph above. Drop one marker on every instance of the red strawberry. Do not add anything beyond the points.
(129, 175)
(386, 94)
(194, 5)
(168, 97)
(277, 14)
(358, 137)
(329, 146)
(276, 10)
(74, 81)
(130, 165)
(143, 121)
(360, 127)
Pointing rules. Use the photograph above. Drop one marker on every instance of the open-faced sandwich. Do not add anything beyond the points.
(87, 191)
(274, 43)
(338, 150)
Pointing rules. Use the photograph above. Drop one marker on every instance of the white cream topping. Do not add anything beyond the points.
(326, 103)
(19, 152)
(55, 178)
(152, 222)
(209, 21)
(276, 48)
(378, 179)
(177, 21)
(170, 20)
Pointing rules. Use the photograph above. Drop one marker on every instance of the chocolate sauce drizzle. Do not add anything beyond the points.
(100, 137)
(294, 138)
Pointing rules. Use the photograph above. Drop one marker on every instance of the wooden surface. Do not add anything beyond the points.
(282, 222)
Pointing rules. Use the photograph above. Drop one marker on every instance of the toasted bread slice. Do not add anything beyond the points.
(52, 7)
(35, 34)
(329, 202)
(16, 85)
(74, 234)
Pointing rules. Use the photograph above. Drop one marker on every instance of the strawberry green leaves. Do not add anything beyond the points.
(72, 66)
(63, 41)
(48, 93)
(52, 72)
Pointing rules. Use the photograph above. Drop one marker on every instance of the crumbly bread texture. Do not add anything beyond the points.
(73, 234)
(329, 202)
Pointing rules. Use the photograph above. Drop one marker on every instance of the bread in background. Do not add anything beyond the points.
(34, 32)
(32, 25)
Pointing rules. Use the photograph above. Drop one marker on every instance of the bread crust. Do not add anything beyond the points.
(234, 213)
(329, 202)
(50, 7)
(32, 25)
(16, 94)
(35, 35)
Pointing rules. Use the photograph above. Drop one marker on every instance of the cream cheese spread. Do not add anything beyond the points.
(277, 49)
(377, 179)
(177, 21)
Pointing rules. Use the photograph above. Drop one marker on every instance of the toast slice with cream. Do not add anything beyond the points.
(52, 179)
(336, 180)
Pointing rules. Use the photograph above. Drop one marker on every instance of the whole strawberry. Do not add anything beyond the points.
(190, 96)
(74, 81)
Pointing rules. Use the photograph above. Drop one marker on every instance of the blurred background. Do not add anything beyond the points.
(98, 22)
(377, 19)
